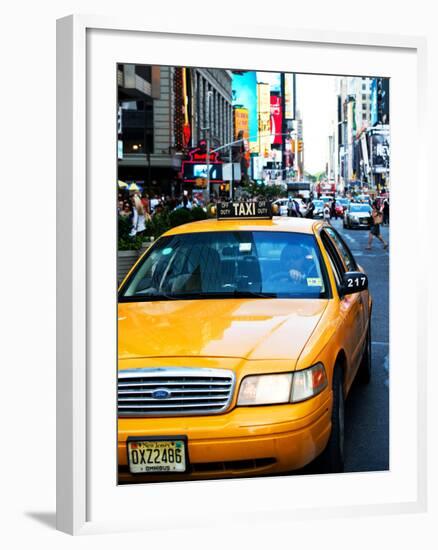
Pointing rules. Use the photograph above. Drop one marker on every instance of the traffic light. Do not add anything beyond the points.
(300, 145)
(201, 182)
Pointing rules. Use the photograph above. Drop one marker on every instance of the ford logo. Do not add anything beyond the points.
(161, 394)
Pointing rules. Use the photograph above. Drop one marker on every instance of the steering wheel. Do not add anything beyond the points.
(285, 277)
(283, 281)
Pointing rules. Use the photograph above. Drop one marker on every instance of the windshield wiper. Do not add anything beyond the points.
(227, 294)
(252, 294)
(155, 297)
(196, 296)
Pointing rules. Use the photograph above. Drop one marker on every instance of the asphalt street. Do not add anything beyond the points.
(367, 406)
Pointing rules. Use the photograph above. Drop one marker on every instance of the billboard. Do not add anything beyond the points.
(289, 100)
(192, 172)
(373, 101)
(241, 121)
(244, 94)
(194, 167)
(363, 143)
(383, 99)
(379, 145)
(276, 120)
(264, 119)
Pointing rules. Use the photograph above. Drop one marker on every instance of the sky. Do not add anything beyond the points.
(316, 100)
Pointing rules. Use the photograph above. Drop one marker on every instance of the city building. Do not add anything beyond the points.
(210, 103)
(362, 136)
(163, 113)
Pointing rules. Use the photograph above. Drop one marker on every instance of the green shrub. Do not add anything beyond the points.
(131, 243)
(124, 227)
(158, 225)
(198, 213)
(179, 217)
(125, 241)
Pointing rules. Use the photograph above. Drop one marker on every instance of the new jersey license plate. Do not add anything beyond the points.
(157, 456)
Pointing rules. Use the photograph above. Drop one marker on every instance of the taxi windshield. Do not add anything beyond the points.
(229, 264)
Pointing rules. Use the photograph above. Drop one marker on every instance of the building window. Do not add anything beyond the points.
(137, 127)
(144, 72)
(364, 106)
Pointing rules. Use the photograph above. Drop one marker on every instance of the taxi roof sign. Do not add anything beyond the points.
(260, 210)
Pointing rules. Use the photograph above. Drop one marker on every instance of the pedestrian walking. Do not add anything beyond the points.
(310, 209)
(138, 218)
(386, 212)
(126, 210)
(291, 210)
(297, 208)
(326, 213)
(376, 221)
(145, 203)
(333, 209)
(153, 203)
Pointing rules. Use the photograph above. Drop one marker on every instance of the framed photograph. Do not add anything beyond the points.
(235, 340)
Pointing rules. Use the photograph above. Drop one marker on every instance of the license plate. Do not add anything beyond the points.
(159, 455)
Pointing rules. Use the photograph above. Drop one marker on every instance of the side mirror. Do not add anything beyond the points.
(354, 281)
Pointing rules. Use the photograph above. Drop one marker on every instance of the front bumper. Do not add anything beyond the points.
(361, 222)
(246, 441)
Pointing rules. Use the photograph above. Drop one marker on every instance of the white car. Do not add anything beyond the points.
(318, 212)
(357, 215)
(303, 206)
(282, 203)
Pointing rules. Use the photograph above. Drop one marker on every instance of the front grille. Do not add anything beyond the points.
(174, 391)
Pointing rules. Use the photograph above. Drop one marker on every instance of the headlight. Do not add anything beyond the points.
(275, 389)
(308, 383)
(267, 389)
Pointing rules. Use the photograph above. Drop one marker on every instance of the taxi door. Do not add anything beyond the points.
(353, 307)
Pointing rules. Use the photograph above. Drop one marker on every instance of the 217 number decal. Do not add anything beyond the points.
(358, 281)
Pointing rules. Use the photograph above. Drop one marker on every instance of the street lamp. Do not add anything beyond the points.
(208, 131)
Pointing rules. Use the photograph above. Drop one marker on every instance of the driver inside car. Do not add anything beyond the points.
(296, 265)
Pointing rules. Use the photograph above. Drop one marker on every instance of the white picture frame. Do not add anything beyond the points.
(79, 159)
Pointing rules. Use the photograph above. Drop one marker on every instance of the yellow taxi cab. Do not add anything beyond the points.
(238, 341)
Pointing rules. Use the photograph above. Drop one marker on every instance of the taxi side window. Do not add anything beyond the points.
(343, 249)
(334, 257)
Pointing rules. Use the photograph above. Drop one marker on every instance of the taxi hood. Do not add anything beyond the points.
(248, 329)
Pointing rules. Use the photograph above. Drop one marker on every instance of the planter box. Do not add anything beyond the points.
(145, 246)
(127, 258)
